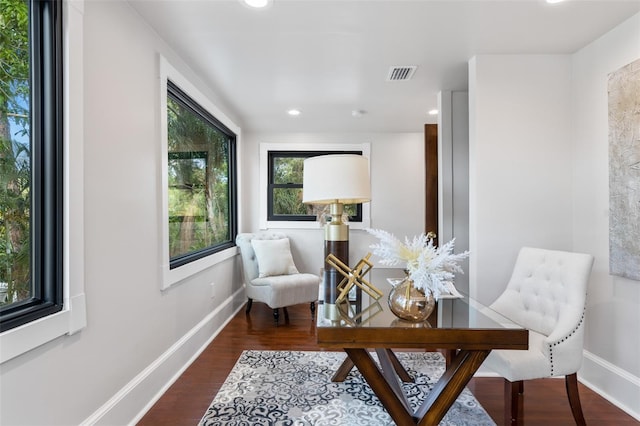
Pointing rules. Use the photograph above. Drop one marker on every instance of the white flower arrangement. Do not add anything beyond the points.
(431, 268)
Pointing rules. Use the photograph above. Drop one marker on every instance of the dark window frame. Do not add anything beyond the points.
(271, 185)
(47, 180)
(178, 95)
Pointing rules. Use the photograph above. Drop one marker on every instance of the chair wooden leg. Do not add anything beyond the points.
(513, 402)
(571, 382)
(249, 304)
(276, 315)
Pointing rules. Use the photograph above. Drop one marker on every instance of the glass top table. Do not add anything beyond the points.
(464, 328)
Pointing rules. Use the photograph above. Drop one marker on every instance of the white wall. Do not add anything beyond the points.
(612, 340)
(137, 337)
(539, 176)
(397, 189)
(520, 162)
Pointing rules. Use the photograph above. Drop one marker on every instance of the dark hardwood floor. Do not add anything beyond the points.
(185, 402)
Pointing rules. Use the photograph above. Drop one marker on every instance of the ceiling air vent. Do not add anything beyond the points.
(403, 73)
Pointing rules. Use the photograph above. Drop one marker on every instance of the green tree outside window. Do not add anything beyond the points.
(15, 152)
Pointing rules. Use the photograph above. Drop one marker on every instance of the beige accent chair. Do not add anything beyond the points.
(547, 295)
(270, 275)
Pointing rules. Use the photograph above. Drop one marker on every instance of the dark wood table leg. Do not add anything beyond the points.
(451, 384)
(389, 372)
(448, 356)
(402, 373)
(347, 365)
(386, 384)
(343, 371)
(381, 387)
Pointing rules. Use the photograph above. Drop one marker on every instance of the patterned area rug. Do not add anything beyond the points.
(295, 388)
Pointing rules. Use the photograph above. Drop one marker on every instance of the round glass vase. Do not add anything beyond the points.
(410, 303)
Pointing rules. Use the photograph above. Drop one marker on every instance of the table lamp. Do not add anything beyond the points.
(335, 179)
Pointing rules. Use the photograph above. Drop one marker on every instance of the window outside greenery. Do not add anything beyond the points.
(15, 154)
(201, 180)
(30, 192)
(285, 188)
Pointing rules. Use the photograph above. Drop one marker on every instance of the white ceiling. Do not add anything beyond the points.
(328, 58)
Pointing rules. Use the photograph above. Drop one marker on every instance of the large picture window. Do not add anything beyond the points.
(284, 189)
(31, 149)
(201, 180)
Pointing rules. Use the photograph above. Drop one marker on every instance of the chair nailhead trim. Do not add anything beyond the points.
(565, 338)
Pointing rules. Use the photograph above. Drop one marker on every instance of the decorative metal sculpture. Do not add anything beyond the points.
(354, 276)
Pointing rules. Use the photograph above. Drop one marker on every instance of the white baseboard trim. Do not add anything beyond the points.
(616, 385)
(124, 407)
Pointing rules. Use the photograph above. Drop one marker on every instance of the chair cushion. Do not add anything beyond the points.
(516, 365)
(274, 257)
(285, 290)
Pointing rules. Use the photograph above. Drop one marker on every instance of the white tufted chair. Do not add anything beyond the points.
(547, 295)
(277, 291)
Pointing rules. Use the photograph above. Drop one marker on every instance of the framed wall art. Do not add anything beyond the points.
(624, 171)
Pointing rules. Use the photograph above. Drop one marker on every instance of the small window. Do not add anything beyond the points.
(201, 180)
(284, 188)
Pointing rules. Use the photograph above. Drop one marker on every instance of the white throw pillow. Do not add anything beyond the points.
(274, 257)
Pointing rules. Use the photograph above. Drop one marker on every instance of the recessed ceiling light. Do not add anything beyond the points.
(293, 112)
(257, 3)
(433, 112)
(554, 1)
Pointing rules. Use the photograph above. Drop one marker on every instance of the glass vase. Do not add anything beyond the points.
(410, 303)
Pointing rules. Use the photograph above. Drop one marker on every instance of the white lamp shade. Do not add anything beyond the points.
(340, 178)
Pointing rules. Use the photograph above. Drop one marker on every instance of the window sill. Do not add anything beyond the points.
(20, 340)
(174, 276)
